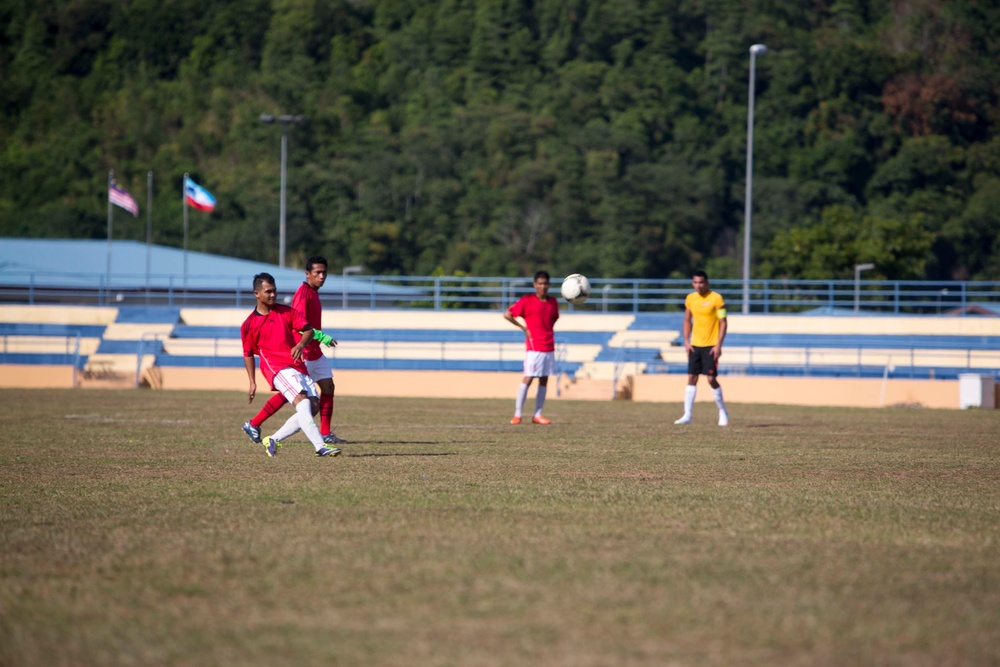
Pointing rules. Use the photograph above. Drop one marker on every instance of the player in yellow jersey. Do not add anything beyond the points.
(704, 330)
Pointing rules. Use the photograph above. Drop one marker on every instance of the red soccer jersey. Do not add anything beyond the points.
(272, 337)
(540, 318)
(306, 302)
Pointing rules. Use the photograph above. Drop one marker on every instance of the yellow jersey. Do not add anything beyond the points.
(705, 315)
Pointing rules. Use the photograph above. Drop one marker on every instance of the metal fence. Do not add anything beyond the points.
(617, 295)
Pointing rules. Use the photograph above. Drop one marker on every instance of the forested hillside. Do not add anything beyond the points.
(496, 136)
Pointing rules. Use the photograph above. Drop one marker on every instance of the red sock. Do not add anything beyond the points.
(325, 413)
(273, 405)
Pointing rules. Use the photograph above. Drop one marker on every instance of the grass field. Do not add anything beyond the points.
(143, 528)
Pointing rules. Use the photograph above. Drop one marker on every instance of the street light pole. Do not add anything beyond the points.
(284, 121)
(282, 211)
(747, 212)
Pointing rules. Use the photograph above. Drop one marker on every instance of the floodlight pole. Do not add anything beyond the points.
(858, 268)
(347, 270)
(283, 120)
(107, 270)
(149, 227)
(184, 199)
(747, 212)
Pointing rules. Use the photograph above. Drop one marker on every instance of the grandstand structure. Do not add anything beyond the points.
(824, 360)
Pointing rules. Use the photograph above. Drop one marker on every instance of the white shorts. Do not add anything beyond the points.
(319, 369)
(539, 364)
(291, 383)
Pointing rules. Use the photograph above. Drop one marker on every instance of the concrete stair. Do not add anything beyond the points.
(584, 389)
(113, 371)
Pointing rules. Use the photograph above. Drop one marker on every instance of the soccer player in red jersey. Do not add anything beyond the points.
(539, 312)
(306, 301)
(270, 333)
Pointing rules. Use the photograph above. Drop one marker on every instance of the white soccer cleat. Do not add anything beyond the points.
(686, 419)
(723, 418)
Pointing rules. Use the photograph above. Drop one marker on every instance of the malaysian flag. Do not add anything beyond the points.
(120, 197)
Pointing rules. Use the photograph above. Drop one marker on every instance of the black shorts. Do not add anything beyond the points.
(701, 362)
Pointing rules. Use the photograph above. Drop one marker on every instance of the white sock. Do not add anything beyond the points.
(304, 412)
(689, 393)
(522, 394)
(288, 429)
(540, 399)
(719, 401)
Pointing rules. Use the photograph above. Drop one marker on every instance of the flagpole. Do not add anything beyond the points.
(149, 226)
(184, 197)
(107, 271)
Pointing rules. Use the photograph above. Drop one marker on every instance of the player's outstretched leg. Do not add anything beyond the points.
(303, 412)
(252, 426)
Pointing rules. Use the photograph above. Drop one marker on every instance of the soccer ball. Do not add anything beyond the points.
(576, 288)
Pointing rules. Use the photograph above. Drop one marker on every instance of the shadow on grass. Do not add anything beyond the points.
(402, 454)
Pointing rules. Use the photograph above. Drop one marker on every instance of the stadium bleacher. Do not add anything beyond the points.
(127, 341)
(397, 340)
(891, 346)
(51, 335)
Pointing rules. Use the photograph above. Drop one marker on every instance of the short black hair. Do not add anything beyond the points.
(262, 278)
(699, 274)
(541, 274)
(313, 261)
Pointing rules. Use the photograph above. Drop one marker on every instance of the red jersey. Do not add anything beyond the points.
(540, 318)
(306, 302)
(272, 337)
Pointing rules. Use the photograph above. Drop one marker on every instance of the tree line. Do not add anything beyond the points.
(494, 137)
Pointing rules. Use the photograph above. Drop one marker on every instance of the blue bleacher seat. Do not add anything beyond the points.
(191, 331)
(32, 329)
(657, 322)
(129, 347)
(41, 359)
(195, 361)
(798, 341)
(409, 335)
(148, 315)
(628, 354)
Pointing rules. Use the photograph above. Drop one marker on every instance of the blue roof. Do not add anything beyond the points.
(84, 263)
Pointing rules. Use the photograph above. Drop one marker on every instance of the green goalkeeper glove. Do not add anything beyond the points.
(324, 339)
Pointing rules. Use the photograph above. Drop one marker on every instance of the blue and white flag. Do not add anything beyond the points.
(197, 196)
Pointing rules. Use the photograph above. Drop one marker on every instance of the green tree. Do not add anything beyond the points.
(842, 238)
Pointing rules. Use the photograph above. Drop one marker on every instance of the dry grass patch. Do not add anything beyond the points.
(144, 528)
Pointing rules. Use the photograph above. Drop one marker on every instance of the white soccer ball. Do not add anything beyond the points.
(575, 288)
